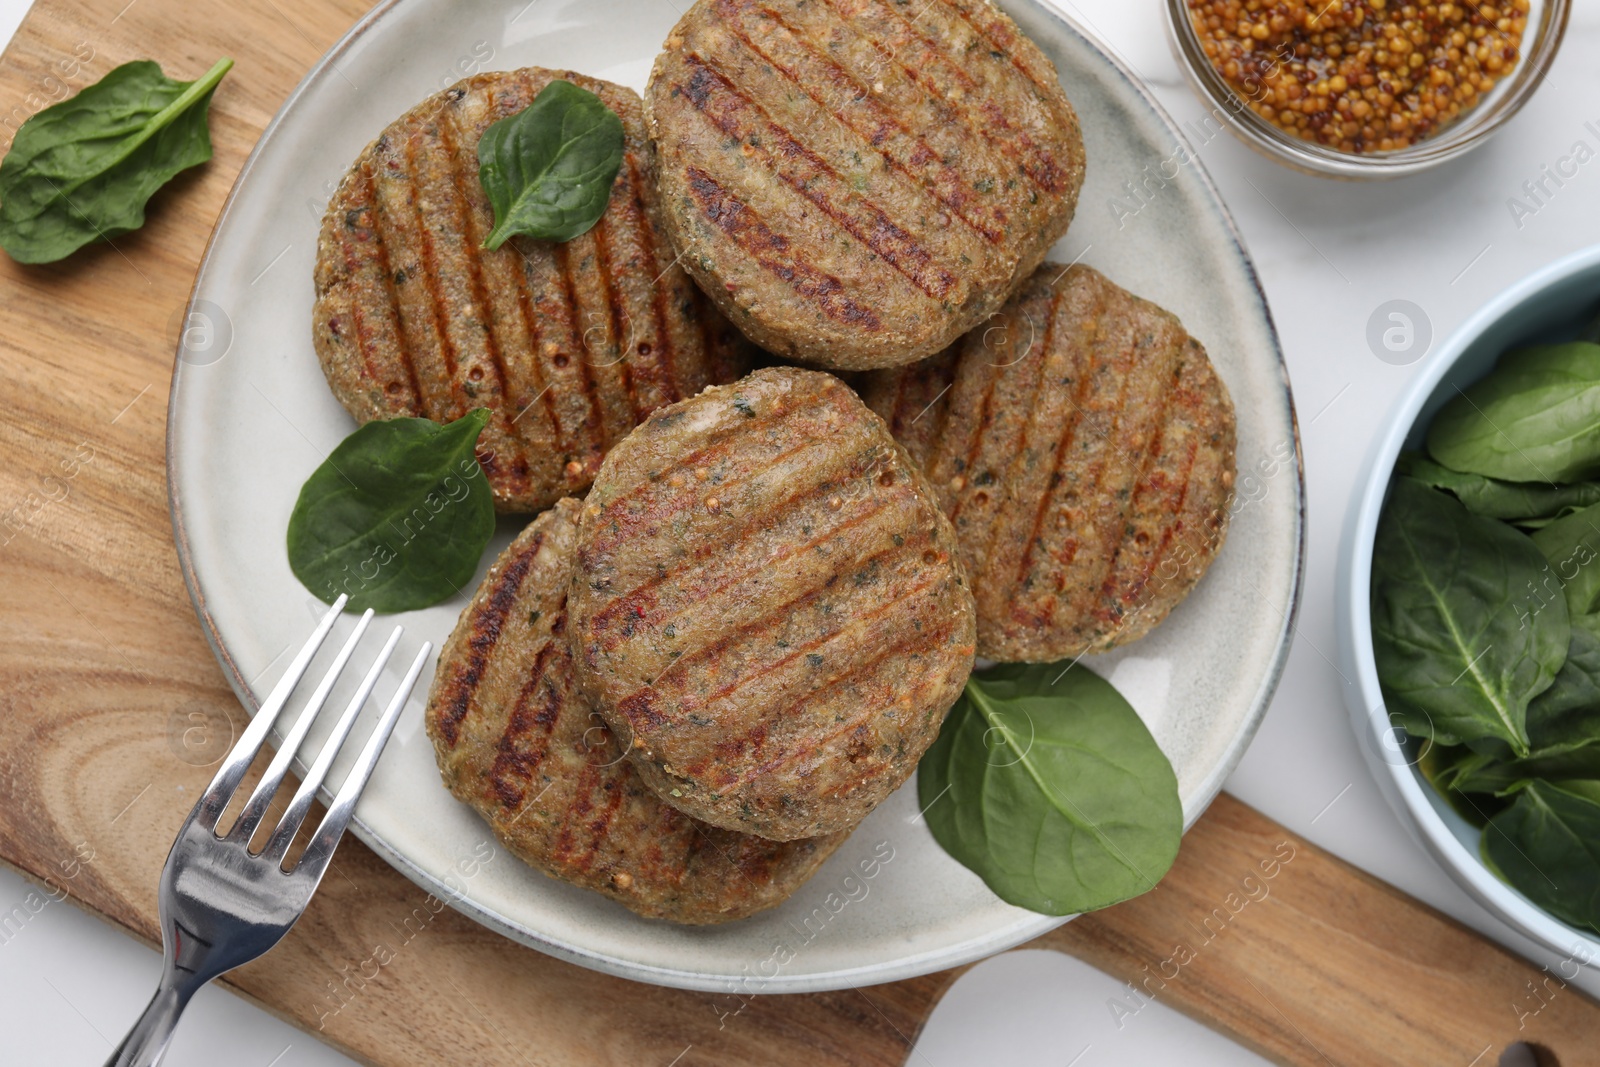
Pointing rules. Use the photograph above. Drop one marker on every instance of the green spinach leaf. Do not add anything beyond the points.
(397, 516)
(1547, 846)
(1572, 545)
(548, 169)
(1555, 716)
(1531, 525)
(1521, 503)
(1534, 418)
(1454, 772)
(1505, 778)
(1453, 632)
(1563, 733)
(1052, 791)
(82, 170)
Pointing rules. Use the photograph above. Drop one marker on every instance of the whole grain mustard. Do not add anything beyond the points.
(1370, 76)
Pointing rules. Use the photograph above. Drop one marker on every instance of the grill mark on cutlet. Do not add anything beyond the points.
(771, 250)
(380, 253)
(1044, 171)
(937, 377)
(604, 232)
(666, 358)
(487, 625)
(600, 826)
(633, 605)
(483, 310)
(1065, 439)
(951, 195)
(1111, 592)
(781, 613)
(719, 444)
(578, 808)
(562, 308)
(1169, 530)
(1099, 498)
(430, 280)
(738, 116)
(688, 703)
(1104, 497)
(512, 769)
(1051, 174)
(727, 358)
(520, 302)
(592, 781)
(980, 429)
(991, 34)
(593, 429)
(622, 523)
(1190, 406)
(866, 668)
(544, 395)
(358, 325)
(1085, 365)
(993, 384)
(531, 318)
(1110, 613)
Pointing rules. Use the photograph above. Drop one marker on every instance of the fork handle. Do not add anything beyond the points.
(147, 1042)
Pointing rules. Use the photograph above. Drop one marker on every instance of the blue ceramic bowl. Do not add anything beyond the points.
(1552, 304)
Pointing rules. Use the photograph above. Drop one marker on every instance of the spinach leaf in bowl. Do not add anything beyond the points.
(1452, 771)
(1532, 525)
(1453, 632)
(1572, 695)
(1520, 503)
(397, 516)
(1572, 545)
(1563, 734)
(1534, 418)
(1547, 846)
(1445, 766)
(1047, 785)
(1503, 778)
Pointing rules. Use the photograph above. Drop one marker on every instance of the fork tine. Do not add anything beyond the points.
(212, 802)
(320, 850)
(283, 835)
(267, 788)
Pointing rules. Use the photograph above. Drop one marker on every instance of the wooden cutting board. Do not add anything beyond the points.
(111, 706)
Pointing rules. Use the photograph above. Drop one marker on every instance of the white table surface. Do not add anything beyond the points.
(1329, 255)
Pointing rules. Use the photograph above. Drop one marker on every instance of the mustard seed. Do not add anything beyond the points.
(1360, 75)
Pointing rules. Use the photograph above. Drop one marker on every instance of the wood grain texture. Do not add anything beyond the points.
(112, 710)
(1312, 962)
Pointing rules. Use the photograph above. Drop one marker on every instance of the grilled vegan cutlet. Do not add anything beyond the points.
(1083, 446)
(517, 742)
(858, 182)
(570, 344)
(767, 608)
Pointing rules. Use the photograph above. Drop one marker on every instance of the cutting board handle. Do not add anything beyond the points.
(1311, 962)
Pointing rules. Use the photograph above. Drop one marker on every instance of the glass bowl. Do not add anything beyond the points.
(1547, 24)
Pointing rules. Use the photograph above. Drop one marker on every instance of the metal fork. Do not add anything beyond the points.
(221, 906)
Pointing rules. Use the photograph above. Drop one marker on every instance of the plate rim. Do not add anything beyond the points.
(902, 967)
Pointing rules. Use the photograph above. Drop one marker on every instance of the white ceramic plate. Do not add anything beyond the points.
(251, 417)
